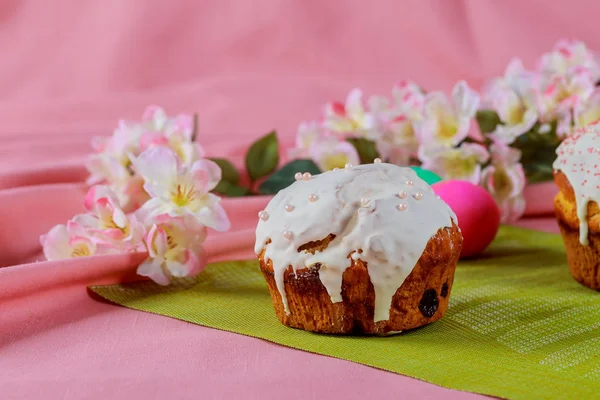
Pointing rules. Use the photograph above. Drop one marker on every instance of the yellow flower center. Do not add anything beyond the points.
(502, 184)
(183, 195)
(109, 223)
(171, 243)
(80, 250)
(447, 128)
(516, 114)
(332, 161)
(457, 167)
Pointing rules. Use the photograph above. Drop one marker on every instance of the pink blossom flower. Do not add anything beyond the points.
(174, 250)
(447, 122)
(561, 92)
(174, 133)
(398, 144)
(69, 241)
(110, 163)
(107, 221)
(567, 76)
(462, 163)
(179, 190)
(349, 119)
(396, 140)
(308, 133)
(409, 99)
(131, 193)
(515, 100)
(517, 113)
(329, 153)
(105, 168)
(567, 54)
(505, 179)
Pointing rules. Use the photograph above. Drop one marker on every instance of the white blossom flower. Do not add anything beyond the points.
(67, 241)
(462, 163)
(505, 180)
(514, 98)
(447, 122)
(349, 119)
(174, 250)
(329, 153)
(179, 190)
(588, 110)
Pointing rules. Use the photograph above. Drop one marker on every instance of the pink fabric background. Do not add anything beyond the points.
(70, 69)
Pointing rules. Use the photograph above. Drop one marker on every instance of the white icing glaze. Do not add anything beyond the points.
(578, 157)
(359, 205)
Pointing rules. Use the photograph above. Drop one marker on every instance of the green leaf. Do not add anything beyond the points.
(263, 156)
(367, 152)
(538, 152)
(230, 189)
(285, 176)
(487, 120)
(195, 128)
(538, 173)
(228, 172)
(428, 176)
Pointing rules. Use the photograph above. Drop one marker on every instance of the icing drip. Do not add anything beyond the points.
(578, 157)
(362, 207)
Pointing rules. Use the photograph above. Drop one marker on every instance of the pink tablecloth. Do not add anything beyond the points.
(69, 69)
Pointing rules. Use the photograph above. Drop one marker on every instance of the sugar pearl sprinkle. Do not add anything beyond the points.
(289, 208)
(402, 194)
(348, 166)
(313, 197)
(377, 161)
(298, 176)
(306, 176)
(402, 206)
(409, 182)
(418, 195)
(263, 215)
(288, 235)
(364, 202)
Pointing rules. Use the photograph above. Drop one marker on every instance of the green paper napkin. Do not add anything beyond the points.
(518, 325)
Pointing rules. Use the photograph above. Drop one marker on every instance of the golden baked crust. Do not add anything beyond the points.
(584, 260)
(566, 206)
(422, 298)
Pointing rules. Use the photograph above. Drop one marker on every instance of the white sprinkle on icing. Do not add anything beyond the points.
(402, 194)
(298, 176)
(377, 161)
(348, 166)
(288, 235)
(402, 206)
(578, 158)
(263, 215)
(391, 241)
(418, 195)
(313, 197)
(409, 182)
(289, 208)
(306, 176)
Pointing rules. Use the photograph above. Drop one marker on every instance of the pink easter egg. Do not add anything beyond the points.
(477, 213)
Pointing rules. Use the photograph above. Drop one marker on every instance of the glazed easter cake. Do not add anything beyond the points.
(577, 174)
(365, 249)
